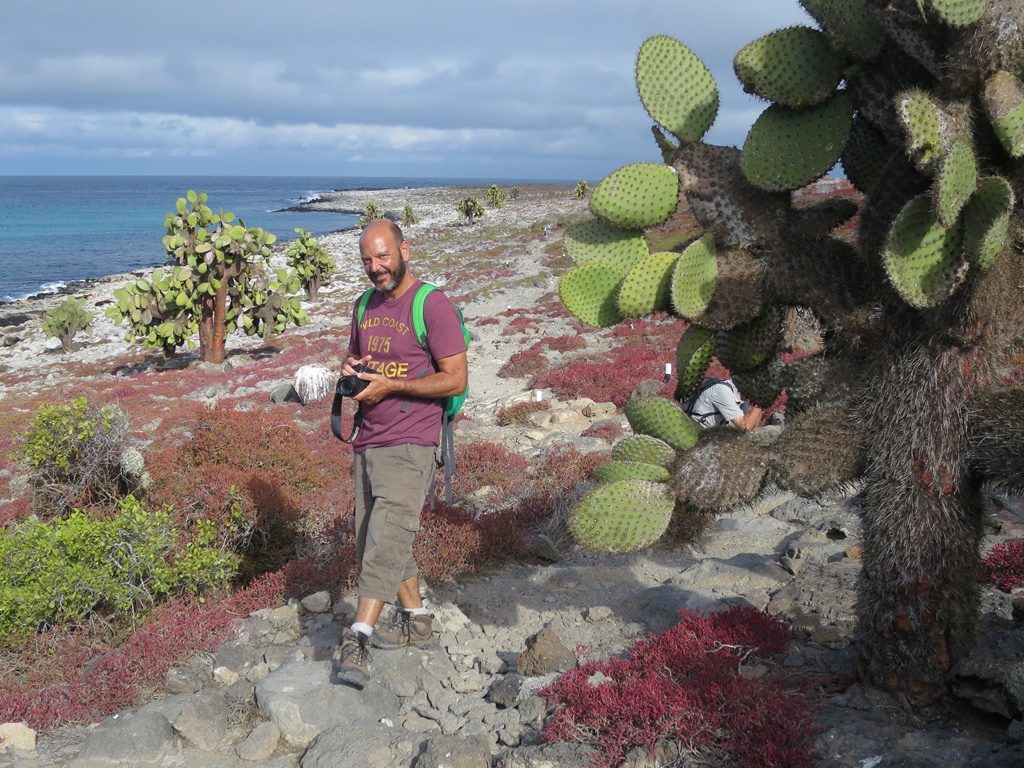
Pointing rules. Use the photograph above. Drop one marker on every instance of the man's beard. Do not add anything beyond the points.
(395, 281)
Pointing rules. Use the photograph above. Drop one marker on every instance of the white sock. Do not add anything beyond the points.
(365, 629)
(421, 611)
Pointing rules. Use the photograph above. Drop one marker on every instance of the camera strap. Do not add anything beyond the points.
(357, 420)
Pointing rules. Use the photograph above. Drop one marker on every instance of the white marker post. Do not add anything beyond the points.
(668, 371)
(537, 395)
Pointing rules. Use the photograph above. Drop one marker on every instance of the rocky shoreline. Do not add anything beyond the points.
(266, 698)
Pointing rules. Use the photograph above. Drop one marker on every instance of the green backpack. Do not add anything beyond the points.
(452, 404)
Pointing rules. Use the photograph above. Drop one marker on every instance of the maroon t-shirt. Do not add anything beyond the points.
(386, 333)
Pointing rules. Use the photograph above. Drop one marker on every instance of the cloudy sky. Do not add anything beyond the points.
(502, 89)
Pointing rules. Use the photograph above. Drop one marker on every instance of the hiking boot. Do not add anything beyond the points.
(404, 630)
(352, 658)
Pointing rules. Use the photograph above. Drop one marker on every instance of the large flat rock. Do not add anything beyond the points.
(302, 701)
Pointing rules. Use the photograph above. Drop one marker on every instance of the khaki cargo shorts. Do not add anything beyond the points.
(391, 485)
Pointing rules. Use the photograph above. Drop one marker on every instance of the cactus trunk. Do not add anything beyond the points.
(922, 523)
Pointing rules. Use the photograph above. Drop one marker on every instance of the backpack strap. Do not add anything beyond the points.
(446, 455)
(419, 325)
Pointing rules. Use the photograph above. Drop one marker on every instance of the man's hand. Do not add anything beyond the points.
(348, 367)
(380, 386)
(751, 420)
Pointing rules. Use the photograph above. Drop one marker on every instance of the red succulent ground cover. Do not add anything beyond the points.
(1003, 566)
(521, 365)
(684, 684)
(70, 681)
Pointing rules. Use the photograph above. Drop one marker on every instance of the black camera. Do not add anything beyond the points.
(350, 386)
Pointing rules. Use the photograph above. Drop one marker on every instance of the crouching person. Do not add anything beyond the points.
(396, 447)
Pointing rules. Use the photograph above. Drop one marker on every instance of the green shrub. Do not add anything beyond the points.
(470, 208)
(513, 194)
(73, 455)
(311, 261)
(67, 570)
(495, 197)
(65, 321)
(408, 217)
(581, 189)
(371, 212)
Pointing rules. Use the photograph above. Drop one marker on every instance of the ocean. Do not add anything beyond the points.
(56, 229)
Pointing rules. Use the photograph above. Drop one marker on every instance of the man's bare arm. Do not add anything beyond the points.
(751, 420)
(449, 380)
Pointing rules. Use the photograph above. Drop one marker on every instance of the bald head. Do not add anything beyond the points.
(379, 227)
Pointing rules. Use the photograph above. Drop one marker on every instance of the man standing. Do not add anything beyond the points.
(395, 450)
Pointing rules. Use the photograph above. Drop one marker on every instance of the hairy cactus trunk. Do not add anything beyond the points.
(922, 523)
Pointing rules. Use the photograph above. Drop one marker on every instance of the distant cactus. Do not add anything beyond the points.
(217, 281)
(371, 212)
(581, 189)
(495, 198)
(470, 209)
(923, 103)
(65, 321)
(408, 217)
(513, 193)
(308, 257)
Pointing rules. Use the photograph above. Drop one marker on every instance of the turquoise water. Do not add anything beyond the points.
(55, 229)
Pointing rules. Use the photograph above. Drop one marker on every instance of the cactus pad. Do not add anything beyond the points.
(739, 289)
(623, 516)
(959, 13)
(693, 278)
(925, 125)
(693, 356)
(662, 419)
(795, 67)
(676, 89)
(788, 148)
(725, 470)
(637, 196)
(751, 344)
(758, 387)
(865, 155)
(646, 287)
(819, 449)
(649, 450)
(630, 470)
(987, 221)
(922, 258)
(1004, 103)
(848, 25)
(954, 183)
(597, 241)
(589, 292)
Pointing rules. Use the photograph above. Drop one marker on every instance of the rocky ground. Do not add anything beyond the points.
(267, 697)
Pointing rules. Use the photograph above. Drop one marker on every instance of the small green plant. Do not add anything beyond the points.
(581, 190)
(65, 321)
(311, 261)
(73, 455)
(470, 209)
(513, 194)
(408, 217)
(495, 198)
(67, 570)
(218, 281)
(371, 212)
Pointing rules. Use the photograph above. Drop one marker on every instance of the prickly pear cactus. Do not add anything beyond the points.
(217, 281)
(922, 101)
